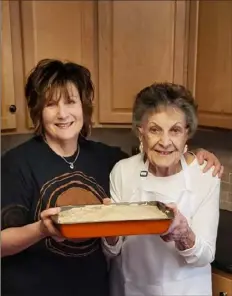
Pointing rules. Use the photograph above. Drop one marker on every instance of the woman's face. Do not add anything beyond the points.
(63, 117)
(164, 134)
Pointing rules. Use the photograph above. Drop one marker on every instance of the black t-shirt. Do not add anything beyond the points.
(33, 178)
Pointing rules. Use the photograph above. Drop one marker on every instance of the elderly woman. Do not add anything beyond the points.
(57, 167)
(178, 262)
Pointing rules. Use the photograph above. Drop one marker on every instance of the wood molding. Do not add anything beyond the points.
(192, 45)
(180, 46)
(8, 119)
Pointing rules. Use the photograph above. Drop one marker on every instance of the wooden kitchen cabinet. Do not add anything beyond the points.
(126, 45)
(222, 283)
(60, 30)
(49, 29)
(8, 119)
(140, 42)
(210, 61)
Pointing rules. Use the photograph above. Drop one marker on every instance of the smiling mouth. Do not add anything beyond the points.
(64, 125)
(164, 152)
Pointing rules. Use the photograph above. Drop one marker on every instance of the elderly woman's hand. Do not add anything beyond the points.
(212, 160)
(179, 231)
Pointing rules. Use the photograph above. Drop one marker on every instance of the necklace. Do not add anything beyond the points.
(71, 163)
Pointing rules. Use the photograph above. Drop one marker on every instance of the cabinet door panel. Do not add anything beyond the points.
(8, 119)
(59, 30)
(137, 41)
(221, 283)
(213, 62)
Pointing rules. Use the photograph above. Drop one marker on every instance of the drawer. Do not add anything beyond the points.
(222, 283)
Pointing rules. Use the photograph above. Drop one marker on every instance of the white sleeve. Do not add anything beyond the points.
(204, 226)
(116, 183)
(115, 193)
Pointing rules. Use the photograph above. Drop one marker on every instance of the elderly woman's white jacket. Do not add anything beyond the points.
(149, 266)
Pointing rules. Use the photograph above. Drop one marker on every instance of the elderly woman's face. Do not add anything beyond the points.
(164, 136)
(63, 117)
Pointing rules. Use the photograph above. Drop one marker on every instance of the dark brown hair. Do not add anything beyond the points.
(152, 97)
(50, 75)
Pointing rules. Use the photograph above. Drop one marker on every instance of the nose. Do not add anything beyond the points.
(61, 110)
(165, 140)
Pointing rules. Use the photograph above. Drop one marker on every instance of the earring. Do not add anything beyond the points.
(185, 148)
(141, 147)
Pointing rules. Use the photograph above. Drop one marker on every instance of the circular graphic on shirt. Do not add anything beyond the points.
(73, 188)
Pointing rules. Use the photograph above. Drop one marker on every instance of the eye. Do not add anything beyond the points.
(51, 103)
(175, 130)
(71, 101)
(154, 130)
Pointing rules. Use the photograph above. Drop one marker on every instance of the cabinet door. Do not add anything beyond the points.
(140, 42)
(221, 284)
(59, 30)
(8, 116)
(210, 62)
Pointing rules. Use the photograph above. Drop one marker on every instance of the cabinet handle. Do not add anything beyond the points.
(12, 108)
(223, 294)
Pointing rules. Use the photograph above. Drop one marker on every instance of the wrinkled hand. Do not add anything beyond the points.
(179, 231)
(111, 240)
(212, 160)
(47, 227)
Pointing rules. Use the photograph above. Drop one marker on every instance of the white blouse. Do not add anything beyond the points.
(125, 183)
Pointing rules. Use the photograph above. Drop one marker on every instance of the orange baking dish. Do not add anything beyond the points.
(88, 229)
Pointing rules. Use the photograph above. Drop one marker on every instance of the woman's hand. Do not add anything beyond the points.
(179, 231)
(16, 239)
(47, 227)
(212, 160)
(112, 240)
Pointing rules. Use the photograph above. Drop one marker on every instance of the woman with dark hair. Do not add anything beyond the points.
(57, 167)
(177, 262)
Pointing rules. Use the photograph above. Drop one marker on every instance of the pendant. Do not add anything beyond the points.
(71, 166)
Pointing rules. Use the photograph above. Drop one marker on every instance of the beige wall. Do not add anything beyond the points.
(217, 141)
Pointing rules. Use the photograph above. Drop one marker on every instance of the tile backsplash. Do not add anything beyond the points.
(220, 143)
(217, 141)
